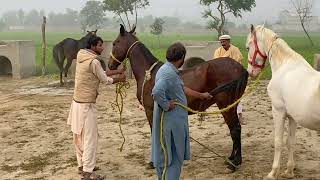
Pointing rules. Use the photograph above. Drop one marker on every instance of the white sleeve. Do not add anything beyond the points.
(100, 73)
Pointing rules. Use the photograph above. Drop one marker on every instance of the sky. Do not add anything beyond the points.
(265, 10)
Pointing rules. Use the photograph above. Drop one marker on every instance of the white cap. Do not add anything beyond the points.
(225, 37)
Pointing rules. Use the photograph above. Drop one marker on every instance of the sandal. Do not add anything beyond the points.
(92, 176)
(80, 169)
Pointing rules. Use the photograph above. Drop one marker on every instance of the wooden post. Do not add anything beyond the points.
(316, 63)
(44, 45)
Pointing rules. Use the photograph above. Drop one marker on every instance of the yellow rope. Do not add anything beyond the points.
(162, 138)
(121, 93)
(248, 91)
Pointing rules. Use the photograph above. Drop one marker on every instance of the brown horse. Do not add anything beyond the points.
(68, 49)
(224, 78)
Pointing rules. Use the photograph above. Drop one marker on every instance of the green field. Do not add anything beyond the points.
(297, 41)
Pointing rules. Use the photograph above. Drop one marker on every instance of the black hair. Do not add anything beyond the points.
(176, 52)
(93, 41)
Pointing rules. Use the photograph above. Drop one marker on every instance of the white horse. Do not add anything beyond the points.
(294, 90)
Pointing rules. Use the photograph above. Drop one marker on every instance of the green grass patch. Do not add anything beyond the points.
(296, 41)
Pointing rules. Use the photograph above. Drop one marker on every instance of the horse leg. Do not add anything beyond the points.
(66, 68)
(291, 142)
(149, 114)
(279, 116)
(235, 132)
(231, 119)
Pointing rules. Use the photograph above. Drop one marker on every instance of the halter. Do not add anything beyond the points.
(129, 50)
(256, 52)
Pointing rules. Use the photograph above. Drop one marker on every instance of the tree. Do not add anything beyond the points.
(2, 25)
(157, 28)
(33, 18)
(21, 16)
(303, 11)
(92, 15)
(69, 18)
(10, 18)
(234, 7)
(124, 7)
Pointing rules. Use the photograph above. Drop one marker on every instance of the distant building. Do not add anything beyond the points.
(291, 22)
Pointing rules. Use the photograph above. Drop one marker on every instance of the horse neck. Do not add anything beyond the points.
(280, 54)
(141, 59)
(83, 42)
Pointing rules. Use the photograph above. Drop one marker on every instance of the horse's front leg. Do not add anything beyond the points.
(279, 116)
(291, 142)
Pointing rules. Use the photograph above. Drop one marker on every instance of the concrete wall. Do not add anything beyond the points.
(22, 57)
(202, 49)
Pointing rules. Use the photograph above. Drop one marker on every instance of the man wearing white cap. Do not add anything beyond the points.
(231, 51)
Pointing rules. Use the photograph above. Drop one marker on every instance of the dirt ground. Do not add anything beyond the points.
(36, 142)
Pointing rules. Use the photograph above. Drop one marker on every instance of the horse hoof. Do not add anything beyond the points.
(229, 170)
(269, 178)
(288, 174)
(150, 166)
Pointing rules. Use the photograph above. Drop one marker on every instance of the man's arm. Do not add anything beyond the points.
(216, 54)
(192, 93)
(102, 75)
(159, 95)
(239, 56)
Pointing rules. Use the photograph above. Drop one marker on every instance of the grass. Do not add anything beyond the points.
(296, 41)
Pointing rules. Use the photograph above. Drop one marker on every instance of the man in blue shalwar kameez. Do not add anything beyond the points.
(170, 88)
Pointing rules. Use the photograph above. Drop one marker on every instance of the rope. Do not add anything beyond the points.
(121, 93)
(253, 87)
(147, 77)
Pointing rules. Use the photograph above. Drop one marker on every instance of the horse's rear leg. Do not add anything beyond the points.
(278, 117)
(235, 132)
(66, 68)
(231, 119)
(291, 142)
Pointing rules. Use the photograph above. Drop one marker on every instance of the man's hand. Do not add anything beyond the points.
(122, 69)
(171, 105)
(122, 77)
(205, 96)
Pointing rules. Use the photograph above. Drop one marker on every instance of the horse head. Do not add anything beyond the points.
(92, 33)
(257, 50)
(122, 47)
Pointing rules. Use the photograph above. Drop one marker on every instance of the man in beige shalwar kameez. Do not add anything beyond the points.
(83, 112)
(231, 51)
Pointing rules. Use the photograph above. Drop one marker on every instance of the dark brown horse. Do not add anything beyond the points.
(192, 61)
(68, 49)
(224, 78)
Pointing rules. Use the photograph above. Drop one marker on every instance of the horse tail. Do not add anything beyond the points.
(57, 56)
(238, 85)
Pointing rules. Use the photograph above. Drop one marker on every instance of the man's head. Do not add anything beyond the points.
(176, 54)
(225, 41)
(95, 44)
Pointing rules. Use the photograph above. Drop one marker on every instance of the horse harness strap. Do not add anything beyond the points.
(147, 77)
(127, 54)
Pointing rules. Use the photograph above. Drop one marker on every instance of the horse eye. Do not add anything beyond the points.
(247, 48)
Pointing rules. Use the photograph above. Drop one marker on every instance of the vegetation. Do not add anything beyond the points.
(296, 40)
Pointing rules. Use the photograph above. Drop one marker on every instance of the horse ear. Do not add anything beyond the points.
(122, 30)
(96, 31)
(133, 29)
(88, 31)
(252, 28)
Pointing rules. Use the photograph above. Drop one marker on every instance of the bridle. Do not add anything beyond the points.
(127, 54)
(257, 51)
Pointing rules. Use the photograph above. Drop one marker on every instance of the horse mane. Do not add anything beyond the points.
(146, 52)
(277, 47)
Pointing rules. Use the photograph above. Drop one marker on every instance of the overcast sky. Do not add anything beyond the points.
(265, 10)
